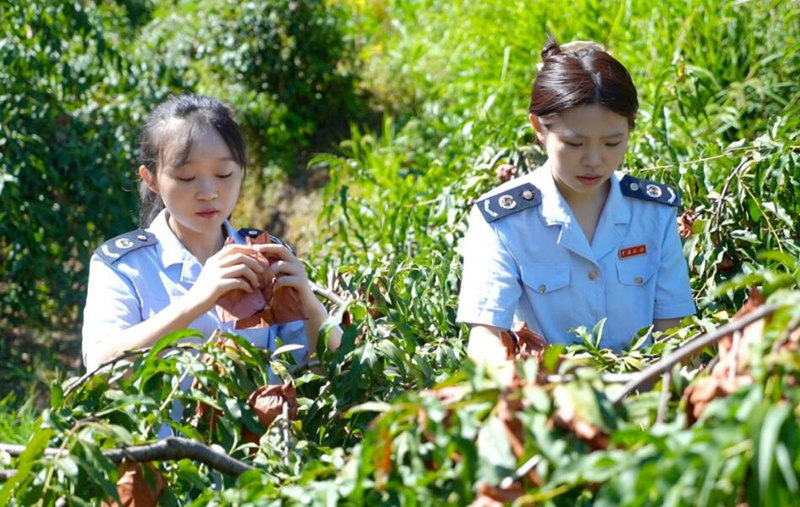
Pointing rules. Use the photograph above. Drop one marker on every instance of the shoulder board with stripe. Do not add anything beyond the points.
(116, 248)
(252, 233)
(639, 188)
(508, 202)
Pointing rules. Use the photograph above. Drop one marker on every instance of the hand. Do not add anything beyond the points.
(289, 272)
(233, 267)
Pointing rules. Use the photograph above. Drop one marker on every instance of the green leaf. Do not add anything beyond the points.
(370, 406)
(768, 443)
(68, 466)
(286, 348)
(234, 409)
(496, 458)
(784, 461)
(552, 355)
(33, 451)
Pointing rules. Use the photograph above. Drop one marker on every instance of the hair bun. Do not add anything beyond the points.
(550, 49)
(578, 45)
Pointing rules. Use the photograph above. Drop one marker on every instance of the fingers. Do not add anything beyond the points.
(231, 284)
(287, 268)
(244, 272)
(296, 281)
(274, 250)
(237, 258)
(233, 249)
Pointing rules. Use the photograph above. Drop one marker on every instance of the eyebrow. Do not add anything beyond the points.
(221, 159)
(576, 135)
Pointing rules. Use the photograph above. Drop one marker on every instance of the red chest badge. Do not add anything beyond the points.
(632, 251)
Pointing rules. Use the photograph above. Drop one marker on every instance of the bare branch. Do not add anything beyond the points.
(328, 294)
(125, 355)
(169, 449)
(691, 348)
(178, 448)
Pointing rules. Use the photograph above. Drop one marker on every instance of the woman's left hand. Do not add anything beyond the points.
(289, 272)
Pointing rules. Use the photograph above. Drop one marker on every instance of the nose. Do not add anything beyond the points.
(592, 157)
(206, 190)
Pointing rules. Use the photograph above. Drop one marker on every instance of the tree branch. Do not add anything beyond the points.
(125, 355)
(693, 347)
(169, 449)
(327, 294)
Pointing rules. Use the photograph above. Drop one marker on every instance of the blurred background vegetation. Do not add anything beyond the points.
(373, 125)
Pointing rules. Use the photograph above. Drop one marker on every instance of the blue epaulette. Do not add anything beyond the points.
(511, 201)
(116, 248)
(252, 233)
(649, 191)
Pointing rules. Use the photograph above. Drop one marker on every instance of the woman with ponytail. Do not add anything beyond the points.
(186, 260)
(576, 241)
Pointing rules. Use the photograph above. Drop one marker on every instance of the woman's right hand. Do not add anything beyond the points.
(232, 268)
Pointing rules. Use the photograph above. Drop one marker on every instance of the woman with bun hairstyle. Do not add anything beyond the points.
(187, 259)
(576, 240)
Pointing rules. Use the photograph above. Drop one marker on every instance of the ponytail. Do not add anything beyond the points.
(151, 205)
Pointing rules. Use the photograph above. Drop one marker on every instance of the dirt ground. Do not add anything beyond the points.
(30, 361)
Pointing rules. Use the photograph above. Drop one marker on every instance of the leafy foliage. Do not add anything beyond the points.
(397, 415)
(79, 79)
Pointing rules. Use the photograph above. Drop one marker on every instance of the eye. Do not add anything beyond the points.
(186, 179)
(225, 175)
(573, 144)
(613, 144)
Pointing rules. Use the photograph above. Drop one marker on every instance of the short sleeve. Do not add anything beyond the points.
(490, 284)
(673, 291)
(111, 305)
(294, 333)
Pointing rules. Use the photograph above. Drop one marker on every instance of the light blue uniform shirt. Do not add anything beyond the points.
(142, 282)
(537, 266)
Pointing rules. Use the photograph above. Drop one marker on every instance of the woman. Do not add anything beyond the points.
(171, 275)
(575, 241)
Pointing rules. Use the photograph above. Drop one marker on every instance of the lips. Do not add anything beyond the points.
(589, 179)
(207, 213)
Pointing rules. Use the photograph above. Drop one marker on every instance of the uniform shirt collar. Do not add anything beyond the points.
(172, 251)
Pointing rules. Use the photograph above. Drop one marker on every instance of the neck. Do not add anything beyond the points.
(201, 245)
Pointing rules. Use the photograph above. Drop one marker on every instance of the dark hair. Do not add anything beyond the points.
(163, 142)
(584, 75)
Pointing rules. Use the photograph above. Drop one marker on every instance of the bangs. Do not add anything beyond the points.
(177, 137)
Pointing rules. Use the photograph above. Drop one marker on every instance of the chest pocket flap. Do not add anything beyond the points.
(545, 277)
(636, 271)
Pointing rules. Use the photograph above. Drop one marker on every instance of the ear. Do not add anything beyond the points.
(148, 178)
(537, 126)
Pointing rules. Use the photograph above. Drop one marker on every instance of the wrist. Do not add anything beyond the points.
(193, 305)
(314, 308)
